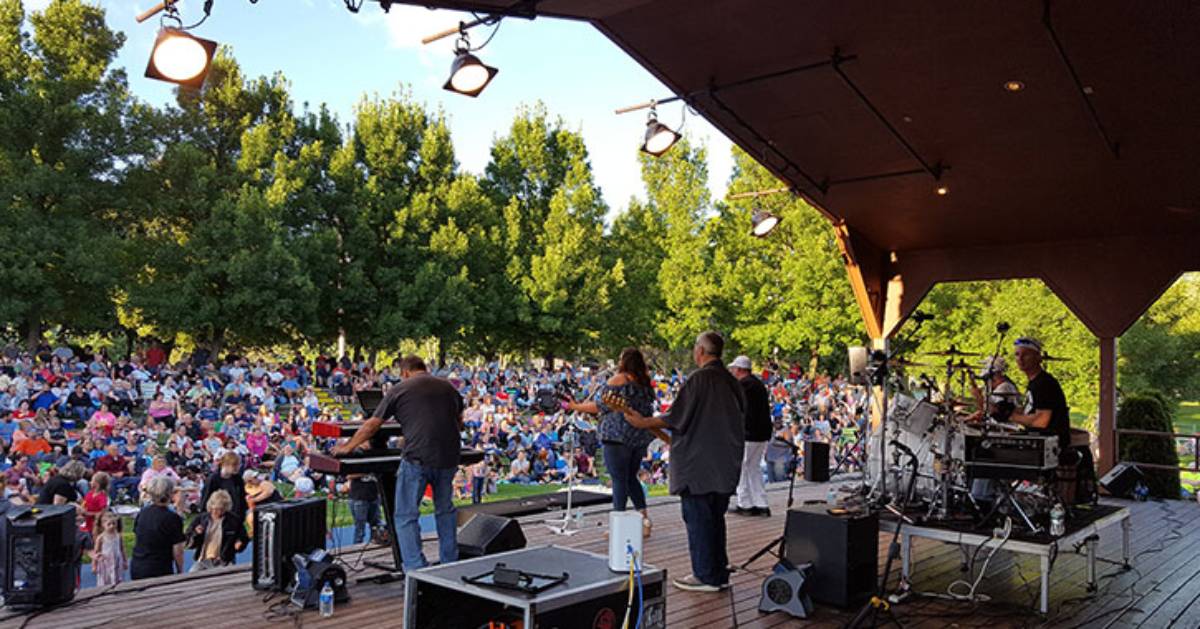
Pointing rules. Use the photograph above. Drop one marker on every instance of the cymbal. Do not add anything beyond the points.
(904, 362)
(952, 352)
(1048, 357)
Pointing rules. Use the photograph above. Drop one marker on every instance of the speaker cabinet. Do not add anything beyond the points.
(489, 534)
(37, 555)
(281, 530)
(843, 551)
(816, 461)
(1121, 479)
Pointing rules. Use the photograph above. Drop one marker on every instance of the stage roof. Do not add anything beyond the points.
(1087, 176)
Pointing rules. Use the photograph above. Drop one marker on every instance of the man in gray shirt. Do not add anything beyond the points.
(707, 423)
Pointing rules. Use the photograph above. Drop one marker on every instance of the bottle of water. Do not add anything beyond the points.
(1058, 520)
(831, 496)
(326, 601)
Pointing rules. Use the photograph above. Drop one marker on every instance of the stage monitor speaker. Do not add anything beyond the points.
(843, 551)
(281, 531)
(37, 555)
(1121, 479)
(858, 364)
(816, 461)
(785, 590)
(487, 534)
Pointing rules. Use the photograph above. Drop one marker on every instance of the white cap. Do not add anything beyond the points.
(992, 365)
(741, 362)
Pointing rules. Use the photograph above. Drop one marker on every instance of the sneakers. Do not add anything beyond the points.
(691, 584)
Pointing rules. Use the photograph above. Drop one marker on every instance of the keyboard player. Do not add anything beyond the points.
(429, 410)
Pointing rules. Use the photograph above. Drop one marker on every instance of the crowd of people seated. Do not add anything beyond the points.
(206, 440)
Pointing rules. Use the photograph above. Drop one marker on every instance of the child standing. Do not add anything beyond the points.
(95, 502)
(108, 554)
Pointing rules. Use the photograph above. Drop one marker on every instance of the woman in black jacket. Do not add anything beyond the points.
(217, 535)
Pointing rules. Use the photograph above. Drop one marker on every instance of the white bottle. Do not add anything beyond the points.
(326, 601)
(1058, 516)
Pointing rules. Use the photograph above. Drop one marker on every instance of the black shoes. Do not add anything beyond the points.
(752, 511)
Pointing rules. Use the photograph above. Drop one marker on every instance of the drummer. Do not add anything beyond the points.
(1002, 400)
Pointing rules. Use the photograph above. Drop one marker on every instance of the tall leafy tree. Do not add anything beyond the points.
(553, 238)
(636, 243)
(219, 263)
(63, 144)
(787, 292)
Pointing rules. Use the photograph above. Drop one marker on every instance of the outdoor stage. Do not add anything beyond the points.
(1162, 591)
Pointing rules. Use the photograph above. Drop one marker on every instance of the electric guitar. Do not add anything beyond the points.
(617, 402)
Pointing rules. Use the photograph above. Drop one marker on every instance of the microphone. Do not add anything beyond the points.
(1002, 327)
(903, 448)
(922, 317)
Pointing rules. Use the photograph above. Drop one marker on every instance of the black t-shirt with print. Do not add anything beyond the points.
(1044, 393)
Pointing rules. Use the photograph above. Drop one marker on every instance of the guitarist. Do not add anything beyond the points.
(624, 445)
(707, 422)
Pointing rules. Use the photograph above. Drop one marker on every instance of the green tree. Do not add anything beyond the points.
(553, 237)
(787, 292)
(636, 243)
(1161, 352)
(63, 147)
(219, 263)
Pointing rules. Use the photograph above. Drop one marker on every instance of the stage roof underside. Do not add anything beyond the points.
(1087, 178)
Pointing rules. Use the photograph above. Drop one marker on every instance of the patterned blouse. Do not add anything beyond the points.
(613, 427)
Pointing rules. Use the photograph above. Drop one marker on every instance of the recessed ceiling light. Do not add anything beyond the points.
(943, 190)
(1014, 86)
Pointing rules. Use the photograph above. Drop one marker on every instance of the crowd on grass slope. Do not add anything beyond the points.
(207, 439)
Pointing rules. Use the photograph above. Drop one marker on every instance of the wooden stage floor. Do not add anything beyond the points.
(1163, 590)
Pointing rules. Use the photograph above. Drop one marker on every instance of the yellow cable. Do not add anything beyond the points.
(629, 604)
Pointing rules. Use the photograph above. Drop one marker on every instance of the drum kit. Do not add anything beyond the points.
(944, 443)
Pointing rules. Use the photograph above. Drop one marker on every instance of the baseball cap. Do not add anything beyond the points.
(1028, 343)
(741, 362)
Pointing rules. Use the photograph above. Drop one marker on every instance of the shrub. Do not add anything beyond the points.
(1150, 411)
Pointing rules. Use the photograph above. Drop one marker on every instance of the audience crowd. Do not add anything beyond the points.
(203, 440)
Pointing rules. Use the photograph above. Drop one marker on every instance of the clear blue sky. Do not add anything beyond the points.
(333, 56)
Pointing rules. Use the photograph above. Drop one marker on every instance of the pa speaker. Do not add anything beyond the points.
(784, 590)
(858, 364)
(816, 461)
(487, 534)
(37, 555)
(1121, 479)
(843, 551)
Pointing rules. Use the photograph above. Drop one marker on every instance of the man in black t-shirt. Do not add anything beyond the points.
(1045, 408)
(751, 493)
(429, 411)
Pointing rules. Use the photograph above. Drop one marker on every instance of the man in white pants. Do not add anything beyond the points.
(751, 494)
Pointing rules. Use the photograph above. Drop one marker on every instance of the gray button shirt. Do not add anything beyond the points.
(708, 428)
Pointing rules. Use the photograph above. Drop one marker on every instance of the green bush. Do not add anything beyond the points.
(1150, 411)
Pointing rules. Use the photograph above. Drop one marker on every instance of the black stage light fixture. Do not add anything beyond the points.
(659, 137)
(763, 223)
(468, 75)
(180, 58)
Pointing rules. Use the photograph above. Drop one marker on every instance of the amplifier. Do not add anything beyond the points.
(1010, 456)
(843, 550)
(37, 555)
(281, 530)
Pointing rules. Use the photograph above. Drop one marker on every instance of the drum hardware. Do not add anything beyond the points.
(952, 352)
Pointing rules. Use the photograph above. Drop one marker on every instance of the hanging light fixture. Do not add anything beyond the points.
(763, 223)
(179, 57)
(468, 75)
(659, 137)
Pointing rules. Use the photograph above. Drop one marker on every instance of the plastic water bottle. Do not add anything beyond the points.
(326, 601)
(1058, 517)
(831, 496)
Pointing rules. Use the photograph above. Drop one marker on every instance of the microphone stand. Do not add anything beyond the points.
(879, 603)
(780, 541)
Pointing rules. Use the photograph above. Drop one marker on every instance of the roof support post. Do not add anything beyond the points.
(1106, 422)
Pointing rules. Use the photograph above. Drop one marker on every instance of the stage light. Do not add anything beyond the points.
(659, 137)
(1014, 86)
(763, 223)
(180, 58)
(468, 75)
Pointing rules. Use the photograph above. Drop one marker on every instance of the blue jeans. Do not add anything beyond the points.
(704, 516)
(411, 480)
(366, 515)
(623, 463)
(478, 484)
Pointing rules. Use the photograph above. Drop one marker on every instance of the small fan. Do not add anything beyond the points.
(784, 590)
